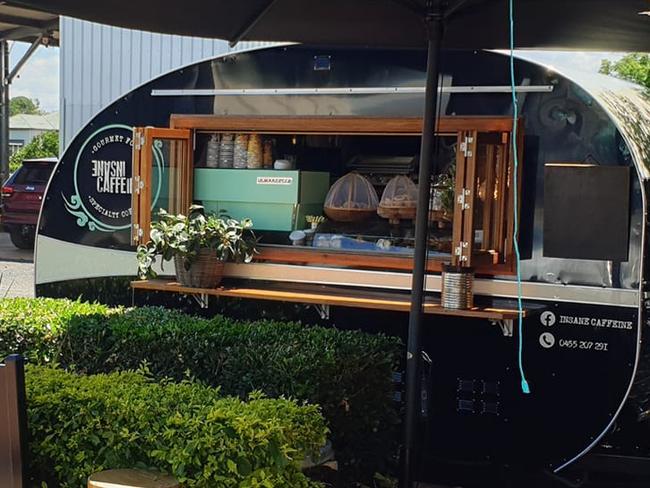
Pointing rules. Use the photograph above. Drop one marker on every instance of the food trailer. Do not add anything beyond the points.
(319, 148)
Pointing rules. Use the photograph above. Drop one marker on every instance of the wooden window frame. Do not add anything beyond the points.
(484, 263)
(180, 187)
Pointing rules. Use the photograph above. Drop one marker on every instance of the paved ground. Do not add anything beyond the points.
(16, 270)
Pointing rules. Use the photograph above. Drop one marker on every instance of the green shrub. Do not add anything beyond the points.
(347, 373)
(34, 327)
(83, 424)
(42, 146)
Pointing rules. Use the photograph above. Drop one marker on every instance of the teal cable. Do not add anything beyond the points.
(515, 115)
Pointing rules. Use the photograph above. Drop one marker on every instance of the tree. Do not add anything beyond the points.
(24, 105)
(633, 67)
(42, 146)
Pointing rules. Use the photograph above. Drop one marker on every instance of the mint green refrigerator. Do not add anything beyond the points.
(275, 200)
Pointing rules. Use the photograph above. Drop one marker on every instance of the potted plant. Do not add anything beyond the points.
(443, 196)
(199, 244)
(314, 220)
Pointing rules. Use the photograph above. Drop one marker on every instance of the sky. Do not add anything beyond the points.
(583, 61)
(39, 78)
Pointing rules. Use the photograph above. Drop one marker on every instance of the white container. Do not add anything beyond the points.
(212, 157)
(283, 164)
(297, 238)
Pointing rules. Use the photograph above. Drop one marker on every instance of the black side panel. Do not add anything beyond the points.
(578, 359)
(586, 212)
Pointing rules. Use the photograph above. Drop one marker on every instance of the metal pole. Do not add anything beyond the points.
(4, 111)
(6, 77)
(434, 23)
(21, 62)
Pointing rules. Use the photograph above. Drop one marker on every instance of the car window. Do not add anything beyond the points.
(33, 174)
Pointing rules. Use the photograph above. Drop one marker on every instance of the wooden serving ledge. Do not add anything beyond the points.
(322, 295)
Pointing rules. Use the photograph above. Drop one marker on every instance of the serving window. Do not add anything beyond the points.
(337, 191)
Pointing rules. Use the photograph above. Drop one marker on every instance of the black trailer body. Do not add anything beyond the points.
(583, 234)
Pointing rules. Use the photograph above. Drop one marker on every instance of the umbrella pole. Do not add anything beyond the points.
(434, 24)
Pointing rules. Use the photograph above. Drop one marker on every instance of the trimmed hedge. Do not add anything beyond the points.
(35, 327)
(83, 424)
(348, 373)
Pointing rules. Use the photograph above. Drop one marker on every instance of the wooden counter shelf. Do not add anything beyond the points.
(321, 295)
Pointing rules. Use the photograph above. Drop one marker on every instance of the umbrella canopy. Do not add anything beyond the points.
(621, 25)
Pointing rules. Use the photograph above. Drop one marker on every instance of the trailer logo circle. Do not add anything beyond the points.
(102, 180)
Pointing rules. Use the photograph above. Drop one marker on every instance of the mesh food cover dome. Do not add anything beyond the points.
(400, 192)
(351, 198)
(399, 200)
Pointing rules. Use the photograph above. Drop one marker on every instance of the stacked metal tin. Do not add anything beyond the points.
(241, 151)
(226, 151)
(457, 287)
(212, 156)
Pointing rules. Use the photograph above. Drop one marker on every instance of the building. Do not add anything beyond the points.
(100, 63)
(24, 127)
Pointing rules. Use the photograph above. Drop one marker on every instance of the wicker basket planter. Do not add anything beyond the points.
(218, 240)
(205, 272)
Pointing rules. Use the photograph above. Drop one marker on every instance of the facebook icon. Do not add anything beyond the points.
(547, 319)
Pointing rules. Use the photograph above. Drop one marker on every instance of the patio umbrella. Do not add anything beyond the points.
(604, 25)
(622, 25)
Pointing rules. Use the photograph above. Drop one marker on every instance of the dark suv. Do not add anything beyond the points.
(22, 196)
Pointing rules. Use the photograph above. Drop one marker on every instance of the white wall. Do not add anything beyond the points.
(25, 135)
(101, 63)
